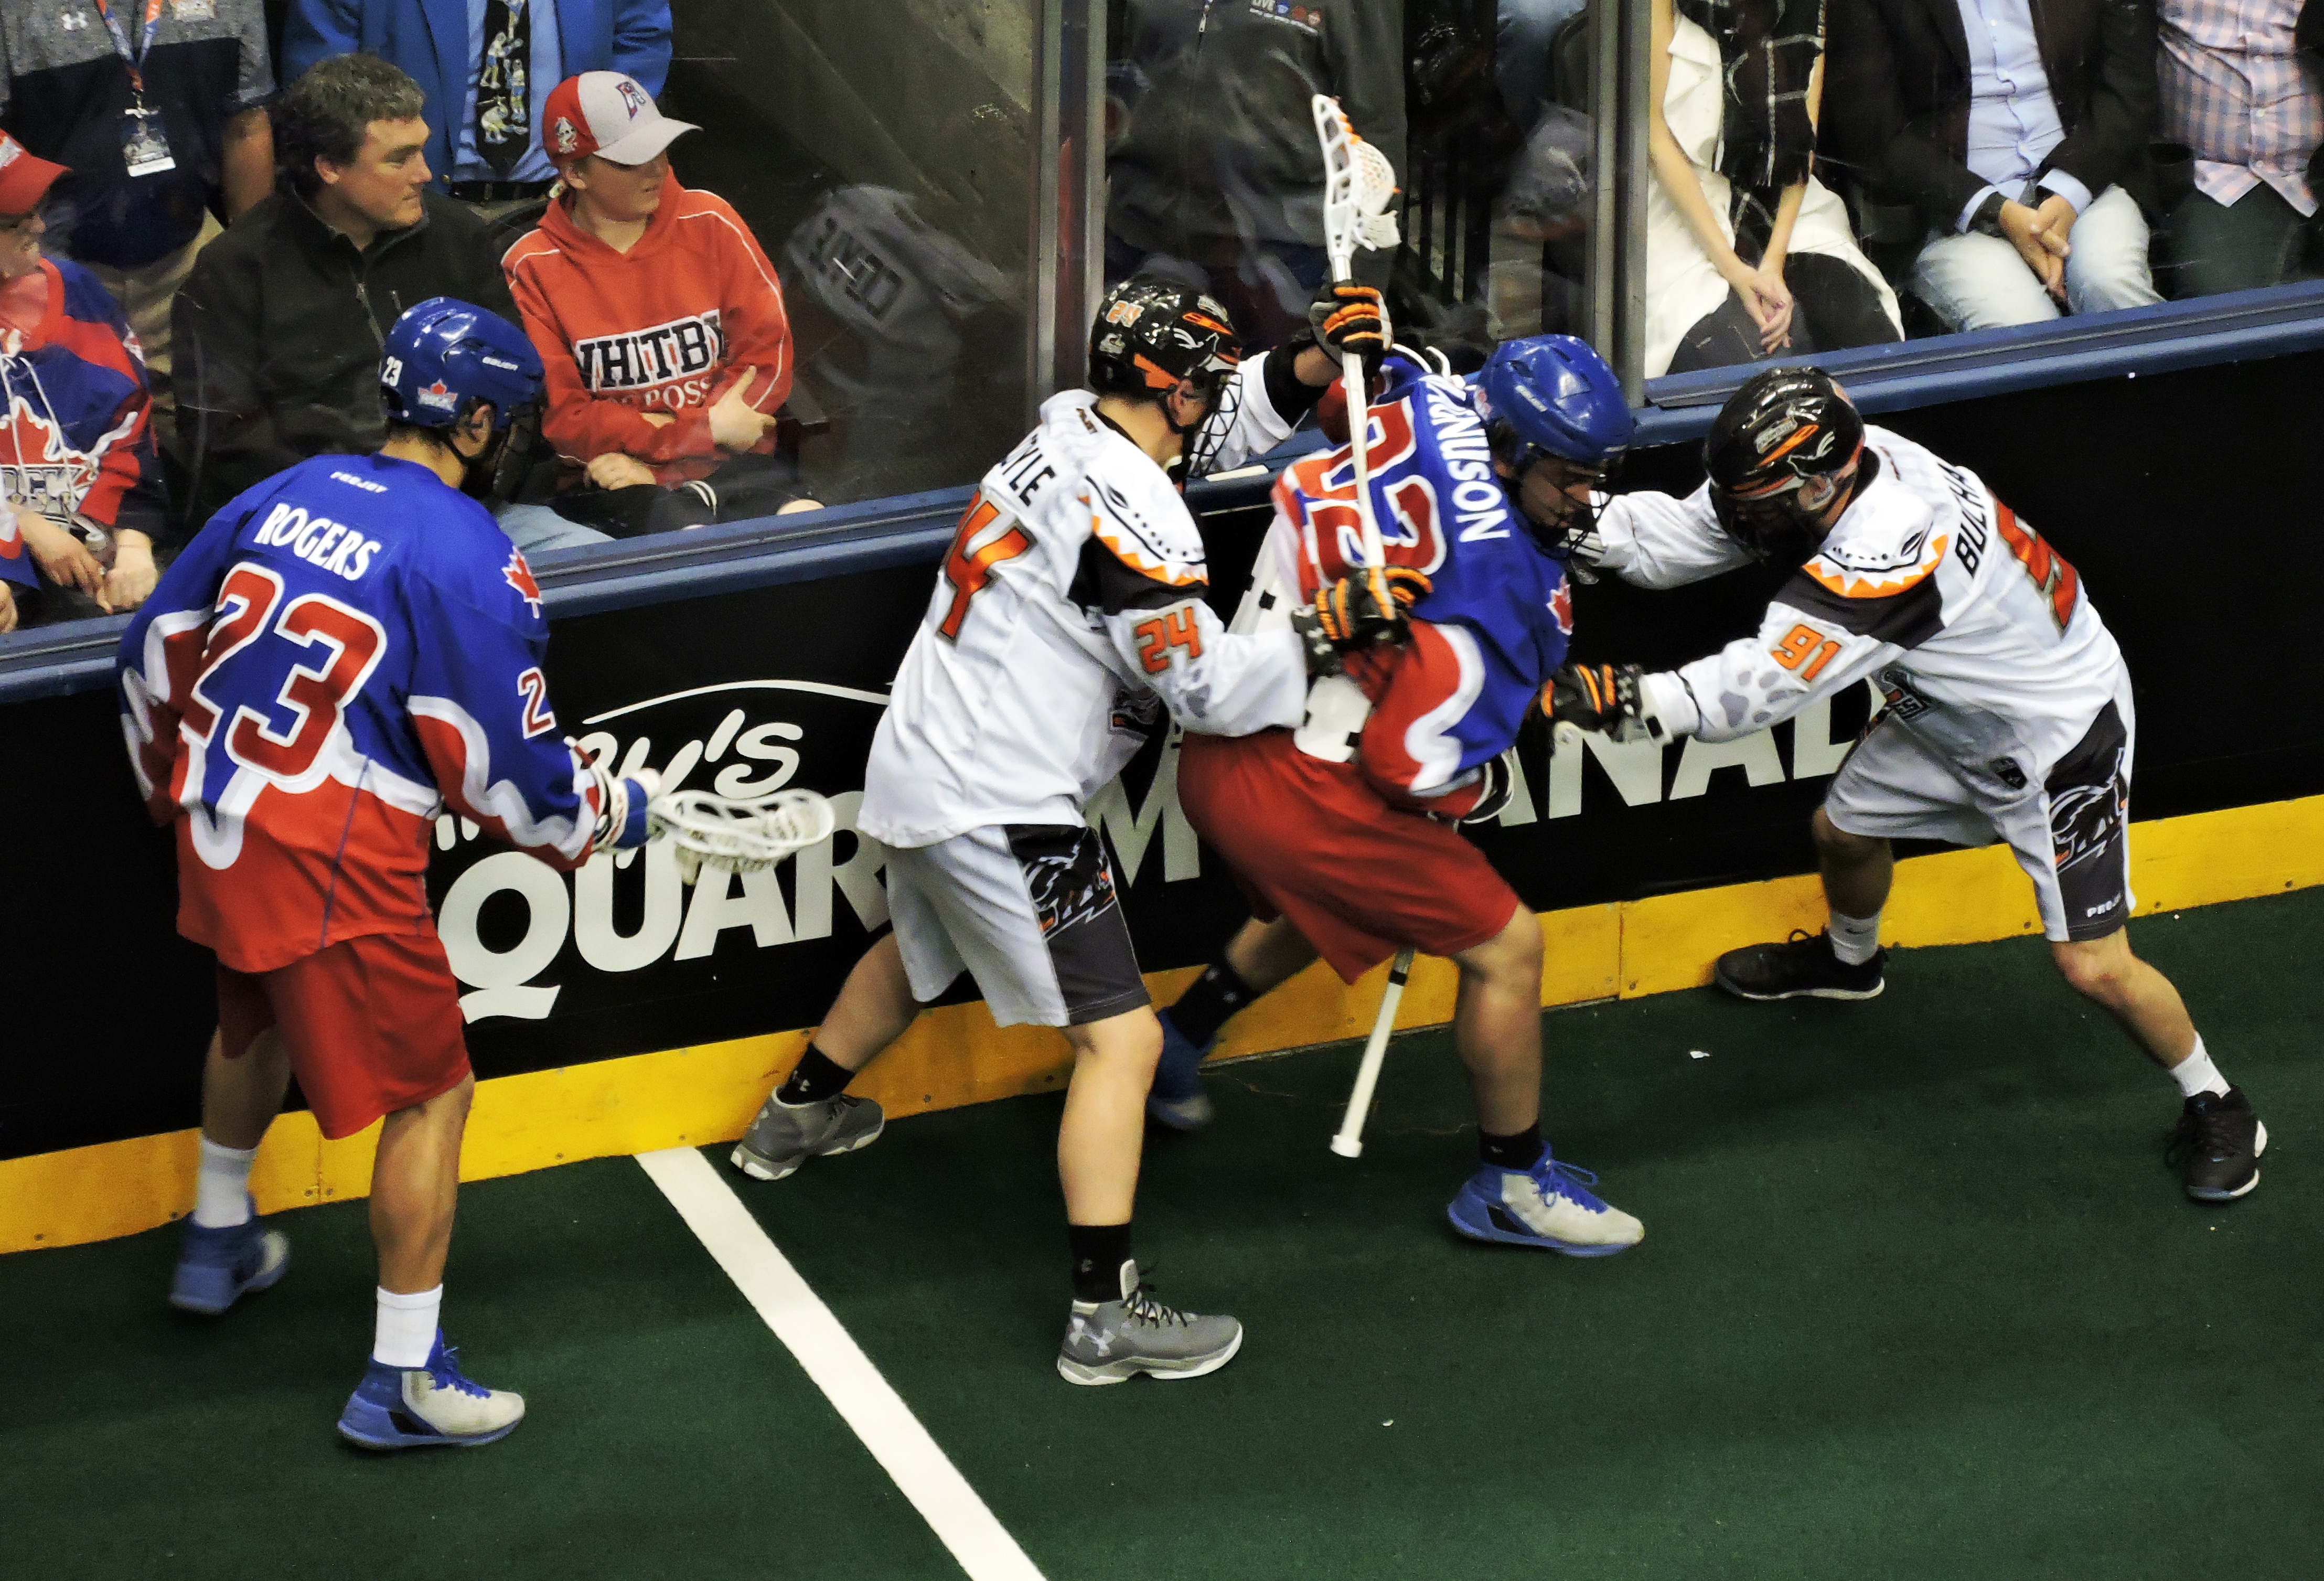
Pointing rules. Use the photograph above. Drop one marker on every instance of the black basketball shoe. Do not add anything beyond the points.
(2219, 1142)
(1802, 965)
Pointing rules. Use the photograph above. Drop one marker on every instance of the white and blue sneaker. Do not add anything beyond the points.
(219, 1267)
(415, 1407)
(1176, 1098)
(1549, 1205)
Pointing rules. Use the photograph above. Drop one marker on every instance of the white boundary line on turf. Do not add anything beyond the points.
(838, 1366)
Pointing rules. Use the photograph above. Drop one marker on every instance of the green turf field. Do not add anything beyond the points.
(1917, 1299)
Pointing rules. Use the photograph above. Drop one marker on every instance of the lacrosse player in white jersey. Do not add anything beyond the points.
(2008, 710)
(1068, 612)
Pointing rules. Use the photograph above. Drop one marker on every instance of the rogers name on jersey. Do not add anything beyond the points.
(681, 352)
(334, 546)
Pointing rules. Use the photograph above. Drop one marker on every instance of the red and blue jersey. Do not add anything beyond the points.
(346, 650)
(1492, 629)
(76, 419)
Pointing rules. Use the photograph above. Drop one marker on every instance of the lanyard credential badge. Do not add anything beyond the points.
(145, 145)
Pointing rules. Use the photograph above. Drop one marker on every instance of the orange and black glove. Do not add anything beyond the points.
(1351, 317)
(1363, 609)
(1606, 697)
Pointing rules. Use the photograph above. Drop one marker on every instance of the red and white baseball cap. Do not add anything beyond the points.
(607, 114)
(25, 180)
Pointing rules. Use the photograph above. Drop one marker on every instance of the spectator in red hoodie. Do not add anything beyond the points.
(659, 321)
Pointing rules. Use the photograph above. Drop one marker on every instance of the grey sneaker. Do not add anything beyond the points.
(784, 1136)
(1111, 1342)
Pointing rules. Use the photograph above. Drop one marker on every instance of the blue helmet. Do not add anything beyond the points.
(1552, 396)
(445, 355)
(1553, 393)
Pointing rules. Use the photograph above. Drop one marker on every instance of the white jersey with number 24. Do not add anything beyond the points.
(1069, 611)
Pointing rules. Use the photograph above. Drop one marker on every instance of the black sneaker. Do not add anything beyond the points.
(2219, 1140)
(1802, 964)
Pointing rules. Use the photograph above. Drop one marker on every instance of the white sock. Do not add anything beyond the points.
(405, 1331)
(1855, 939)
(2196, 1074)
(221, 1186)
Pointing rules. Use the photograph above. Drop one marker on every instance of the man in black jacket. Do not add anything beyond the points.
(1215, 177)
(2019, 130)
(279, 327)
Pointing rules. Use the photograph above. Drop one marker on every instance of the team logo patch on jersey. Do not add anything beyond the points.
(518, 575)
(40, 467)
(1561, 605)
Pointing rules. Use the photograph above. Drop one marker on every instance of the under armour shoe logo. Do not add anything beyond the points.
(72, 20)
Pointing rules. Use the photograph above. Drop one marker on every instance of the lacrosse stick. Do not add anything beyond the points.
(1349, 1141)
(1359, 184)
(739, 837)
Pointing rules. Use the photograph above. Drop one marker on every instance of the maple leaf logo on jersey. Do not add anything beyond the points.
(1561, 605)
(518, 575)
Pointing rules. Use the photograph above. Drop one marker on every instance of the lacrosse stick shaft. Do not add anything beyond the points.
(1349, 1142)
(1335, 134)
(1351, 379)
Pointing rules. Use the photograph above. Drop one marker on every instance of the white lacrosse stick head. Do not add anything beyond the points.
(739, 837)
(1359, 188)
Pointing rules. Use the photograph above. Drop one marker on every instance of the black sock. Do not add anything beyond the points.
(813, 1080)
(1520, 1151)
(1099, 1253)
(1202, 1009)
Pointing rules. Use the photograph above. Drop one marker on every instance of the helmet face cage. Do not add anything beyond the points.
(499, 471)
(1580, 519)
(1202, 445)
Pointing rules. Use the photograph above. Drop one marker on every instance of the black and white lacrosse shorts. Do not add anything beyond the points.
(1030, 910)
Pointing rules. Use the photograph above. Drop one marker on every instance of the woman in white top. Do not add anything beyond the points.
(1748, 254)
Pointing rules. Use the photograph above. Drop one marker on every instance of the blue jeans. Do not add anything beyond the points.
(1977, 281)
(535, 528)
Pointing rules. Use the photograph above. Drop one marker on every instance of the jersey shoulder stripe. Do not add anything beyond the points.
(1908, 618)
(1143, 537)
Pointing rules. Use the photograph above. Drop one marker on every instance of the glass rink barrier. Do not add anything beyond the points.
(943, 190)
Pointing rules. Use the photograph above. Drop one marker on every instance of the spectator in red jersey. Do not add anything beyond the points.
(81, 502)
(659, 321)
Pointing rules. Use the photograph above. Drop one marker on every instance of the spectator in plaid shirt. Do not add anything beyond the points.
(2237, 91)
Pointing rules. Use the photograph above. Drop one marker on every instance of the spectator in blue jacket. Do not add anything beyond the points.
(486, 67)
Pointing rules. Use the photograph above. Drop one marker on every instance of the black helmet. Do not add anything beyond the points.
(1784, 431)
(1150, 333)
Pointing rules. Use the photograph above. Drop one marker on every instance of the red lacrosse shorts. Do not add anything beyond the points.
(1310, 841)
(371, 1025)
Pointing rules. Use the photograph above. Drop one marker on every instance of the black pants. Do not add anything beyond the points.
(743, 487)
(1832, 306)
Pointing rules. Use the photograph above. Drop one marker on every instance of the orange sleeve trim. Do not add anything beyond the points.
(1882, 584)
(1138, 561)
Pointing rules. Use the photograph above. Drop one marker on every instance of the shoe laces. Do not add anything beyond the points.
(446, 1374)
(1141, 1307)
(1571, 1182)
(2205, 1130)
